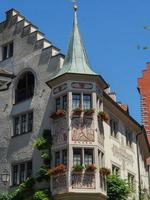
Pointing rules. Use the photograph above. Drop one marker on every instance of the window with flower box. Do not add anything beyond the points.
(23, 123)
(87, 101)
(58, 104)
(57, 158)
(64, 105)
(82, 156)
(76, 101)
(61, 157)
(20, 172)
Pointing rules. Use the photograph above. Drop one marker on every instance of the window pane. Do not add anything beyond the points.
(58, 104)
(88, 156)
(65, 102)
(22, 173)
(17, 126)
(76, 101)
(57, 158)
(30, 122)
(29, 169)
(23, 123)
(115, 170)
(77, 157)
(64, 157)
(15, 175)
(87, 101)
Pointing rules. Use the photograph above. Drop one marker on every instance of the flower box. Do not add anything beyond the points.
(78, 168)
(91, 168)
(104, 171)
(103, 116)
(57, 170)
(89, 112)
(58, 114)
(77, 111)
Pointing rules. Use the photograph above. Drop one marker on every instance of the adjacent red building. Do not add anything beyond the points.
(144, 90)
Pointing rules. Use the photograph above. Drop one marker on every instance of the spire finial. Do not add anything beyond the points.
(75, 7)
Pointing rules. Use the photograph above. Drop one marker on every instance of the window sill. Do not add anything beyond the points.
(14, 136)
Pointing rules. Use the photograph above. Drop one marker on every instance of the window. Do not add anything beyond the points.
(21, 172)
(30, 122)
(101, 158)
(77, 157)
(15, 175)
(87, 101)
(58, 105)
(88, 156)
(115, 170)
(113, 128)
(25, 87)
(7, 50)
(129, 138)
(131, 180)
(23, 123)
(57, 158)
(65, 102)
(64, 157)
(17, 126)
(76, 101)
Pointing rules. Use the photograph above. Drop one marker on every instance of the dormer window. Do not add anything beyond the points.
(7, 50)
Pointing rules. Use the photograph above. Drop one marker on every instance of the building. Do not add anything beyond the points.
(35, 82)
(143, 87)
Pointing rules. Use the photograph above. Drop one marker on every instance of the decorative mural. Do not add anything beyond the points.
(82, 130)
(83, 181)
(60, 131)
(59, 181)
(122, 155)
(60, 88)
(79, 85)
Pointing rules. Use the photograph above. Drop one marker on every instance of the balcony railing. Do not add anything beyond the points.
(83, 180)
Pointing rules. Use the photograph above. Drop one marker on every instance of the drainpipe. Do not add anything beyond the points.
(138, 161)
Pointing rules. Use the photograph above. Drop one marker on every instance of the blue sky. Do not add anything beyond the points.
(111, 31)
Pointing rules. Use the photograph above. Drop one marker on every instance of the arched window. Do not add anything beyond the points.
(25, 87)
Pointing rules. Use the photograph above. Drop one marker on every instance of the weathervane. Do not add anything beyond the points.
(75, 5)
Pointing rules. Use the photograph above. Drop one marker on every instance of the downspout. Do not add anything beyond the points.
(138, 162)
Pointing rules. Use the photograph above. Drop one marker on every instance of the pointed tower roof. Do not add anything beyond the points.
(76, 60)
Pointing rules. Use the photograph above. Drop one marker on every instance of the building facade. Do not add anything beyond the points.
(93, 129)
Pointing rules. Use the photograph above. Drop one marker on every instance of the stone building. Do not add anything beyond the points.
(36, 80)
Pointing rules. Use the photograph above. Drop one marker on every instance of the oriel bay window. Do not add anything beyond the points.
(23, 123)
(20, 172)
(60, 157)
(76, 101)
(87, 103)
(58, 104)
(82, 156)
(64, 102)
